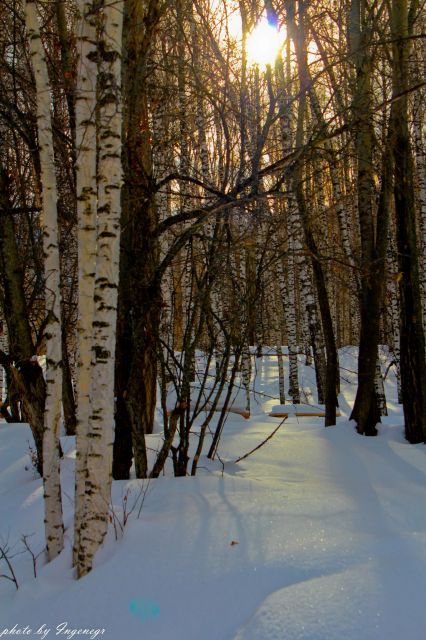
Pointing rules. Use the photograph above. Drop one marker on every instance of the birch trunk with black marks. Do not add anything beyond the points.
(98, 473)
(163, 204)
(86, 186)
(294, 240)
(380, 389)
(331, 370)
(298, 222)
(277, 337)
(246, 373)
(393, 302)
(292, 285)
(54, 528)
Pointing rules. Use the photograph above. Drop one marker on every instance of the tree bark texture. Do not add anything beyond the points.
(413, 366)
(98, 474)
(140, 291)
(52, 411)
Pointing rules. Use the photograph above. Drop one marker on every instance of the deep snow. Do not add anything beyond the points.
(320, 535)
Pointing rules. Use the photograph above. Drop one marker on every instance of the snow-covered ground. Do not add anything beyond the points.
(320, 534)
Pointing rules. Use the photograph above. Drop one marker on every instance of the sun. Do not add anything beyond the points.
(264, 44)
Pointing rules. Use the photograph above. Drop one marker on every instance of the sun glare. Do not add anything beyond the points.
(264, 44)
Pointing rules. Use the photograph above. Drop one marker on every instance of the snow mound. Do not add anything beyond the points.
(355, 603)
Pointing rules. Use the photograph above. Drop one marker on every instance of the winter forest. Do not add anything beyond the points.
(212, 246)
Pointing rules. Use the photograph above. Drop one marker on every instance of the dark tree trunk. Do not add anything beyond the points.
(139, 290)
(366, 411)
(332, 367)
(412, 362)
(26, 380)
(68, 398)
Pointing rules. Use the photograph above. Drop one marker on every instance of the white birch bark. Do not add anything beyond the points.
(52, 414)
(189, 292)
(341, 212)
(288, 290)
(85, 109)
(287, 303)
(393, 297)
(380, 389)
(217, 310)
(246, 373)
(101, 425)
(163, 203)
(275, 325)
(281, 378)
(290, 309)
(200, 121)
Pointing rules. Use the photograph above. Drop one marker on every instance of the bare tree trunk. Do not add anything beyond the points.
(277, 338)
(98, 473)
(86, 184)
(246, 373)
(140, 291)
(295, 246)
(331, 369)
(380, 390)
(26, 380)
(413, 366)
(373, 229)
(52, 413)
(393, 295)
(420, 153)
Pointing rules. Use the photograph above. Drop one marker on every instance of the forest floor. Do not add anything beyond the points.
(318, 535)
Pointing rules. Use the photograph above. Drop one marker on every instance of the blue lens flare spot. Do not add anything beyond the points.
(144, 609)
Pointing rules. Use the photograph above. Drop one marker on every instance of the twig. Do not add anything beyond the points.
(12, 577)
(393, 362)
(31, 552)
(221, 462)
(262, 443)
(144, 492)
(140, 495)
(126, 510)
(114, 520)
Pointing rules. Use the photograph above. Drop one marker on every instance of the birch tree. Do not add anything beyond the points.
(52, 412)
(289, 301)
(98, 472)
(86, 150)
